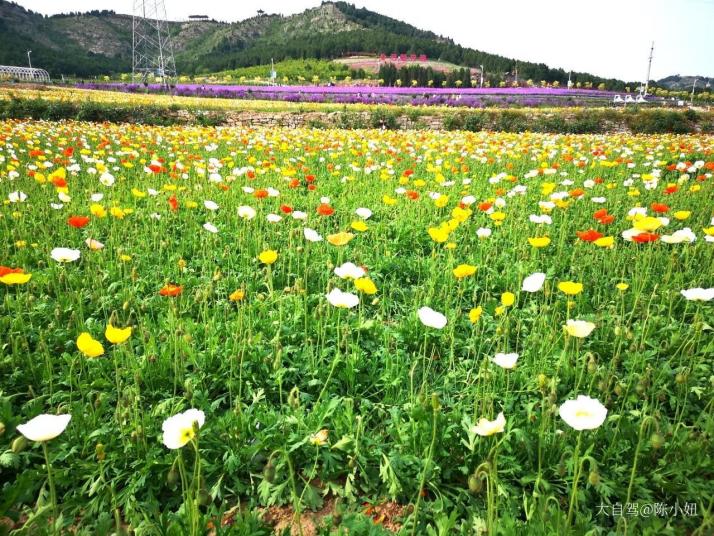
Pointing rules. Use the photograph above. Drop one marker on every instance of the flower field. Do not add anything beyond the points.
(215, 330)
(413, 96)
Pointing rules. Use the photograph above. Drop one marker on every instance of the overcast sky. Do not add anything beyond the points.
(605, 37)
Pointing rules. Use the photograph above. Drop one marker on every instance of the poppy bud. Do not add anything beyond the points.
(204, 498)
(2, 428)
(18, 445)
(618, 389)
(680, 378)
(269, 471)
(542, 381)
(172, 477)
(657, 441)
(592, 366)
(435, 404)
(99, 452)
(294, 398)
(594, 478)
(475, 484)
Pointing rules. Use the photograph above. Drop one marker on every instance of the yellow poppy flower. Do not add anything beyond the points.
(15, 278)
(438, 234)
(88, 346)
(340, 239)
(570, 288)
(237, 295)
(508, 299)
(269, 256)
(605, 241)
(359, 226)
(539, 241)
(117, 335)
(475, 314)
(622, 287)
(682, 214)
(366, 285)
(647, 223)
(464, 270)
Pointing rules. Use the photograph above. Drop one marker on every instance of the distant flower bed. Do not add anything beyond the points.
(417, 96)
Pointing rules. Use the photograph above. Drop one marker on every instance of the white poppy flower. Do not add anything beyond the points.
(349, 270)
(210, 228)
(483, 232)
(507, 361)
(698, 294)
(65, 254)
(363, 213)
(345, 300)
(17, 197)
(311, 235)
(485, 428)
(534, 282)
(94, 245)
(44, 427)
(431, 318)
(96, 197)
(107, 179)
(299, 215)
(579, 328)
(273, 218)
(245, 212)
(583, 413)
(210, 205)
(179, 429)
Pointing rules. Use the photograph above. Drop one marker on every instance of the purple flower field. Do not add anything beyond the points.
(417, 96)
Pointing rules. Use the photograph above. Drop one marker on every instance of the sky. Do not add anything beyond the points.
(609, 38)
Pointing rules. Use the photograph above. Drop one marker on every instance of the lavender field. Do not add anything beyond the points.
(417, 96)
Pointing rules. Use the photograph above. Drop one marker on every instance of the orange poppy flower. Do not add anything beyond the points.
(286, 209)
(59, 182)
(325, 210)
(577, 192)
(171, 290)
(4, 270)
(260, 193)
(411, 194)
(484, 206)
(589, 236)
(645, 237)
(78, 221)
(173, 202)
(660, 207)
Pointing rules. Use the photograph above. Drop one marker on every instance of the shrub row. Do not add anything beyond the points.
(639, 121)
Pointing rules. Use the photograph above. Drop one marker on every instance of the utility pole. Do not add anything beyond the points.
(649, 67)
(481, 75)
(28, 58)
(570, 83)
(694, 84)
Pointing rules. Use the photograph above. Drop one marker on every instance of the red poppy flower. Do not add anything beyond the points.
(310, 178)
(645, 237)
(4, 270)
(485, 206)
(671, 189)
(171, 290)
(311, 187)
(59, 182)
(69, 151)
(250, 174)
(78, 221)
(599, 214)
(408, 172)
(589, 236)
(607, 219)
(660, 207)
(325, 210)
(155, 168)
(260, 193)
(286, 209)
(598, 180)
(35, 152)
(577, 192)
(173, 202)
(411, 194)
(294, 183)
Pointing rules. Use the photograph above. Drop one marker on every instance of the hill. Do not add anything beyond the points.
(99, 42)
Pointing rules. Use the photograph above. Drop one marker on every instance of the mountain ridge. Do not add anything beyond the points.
(99, 42)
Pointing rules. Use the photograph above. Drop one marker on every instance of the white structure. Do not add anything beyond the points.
(152, 53)
(24, 74)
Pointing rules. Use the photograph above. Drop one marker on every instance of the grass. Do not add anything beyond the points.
(306, 402)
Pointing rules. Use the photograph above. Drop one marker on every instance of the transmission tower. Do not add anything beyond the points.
(152, 53)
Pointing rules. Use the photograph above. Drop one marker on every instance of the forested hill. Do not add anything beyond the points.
(99, 42)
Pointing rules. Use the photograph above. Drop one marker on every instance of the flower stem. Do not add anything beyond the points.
(576, 477)
(50, 480)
